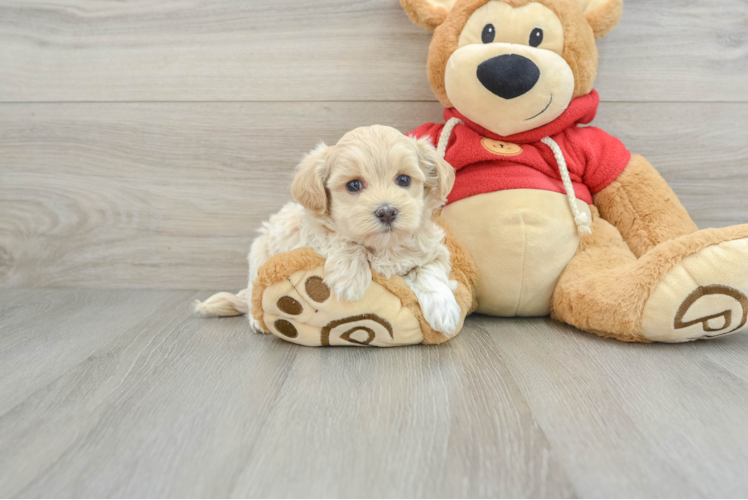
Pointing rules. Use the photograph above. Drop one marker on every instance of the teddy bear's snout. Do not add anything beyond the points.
(509, 75)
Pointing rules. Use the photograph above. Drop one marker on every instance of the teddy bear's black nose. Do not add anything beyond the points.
(508, 76)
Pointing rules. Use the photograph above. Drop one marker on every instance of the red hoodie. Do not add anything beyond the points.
(486, 162)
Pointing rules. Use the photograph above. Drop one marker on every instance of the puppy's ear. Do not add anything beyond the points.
(440, 176)
(427, 14)
(602, 15)
(308, 187)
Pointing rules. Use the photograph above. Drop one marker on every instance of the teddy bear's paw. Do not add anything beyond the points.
(304, 310)
(702, 297)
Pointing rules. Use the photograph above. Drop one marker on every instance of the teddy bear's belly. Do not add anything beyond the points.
(521, 240)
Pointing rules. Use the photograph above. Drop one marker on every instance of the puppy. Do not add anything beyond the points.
(367, 201)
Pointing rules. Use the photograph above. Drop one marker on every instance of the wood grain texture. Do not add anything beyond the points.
(164, 404)
(169, 195)
(632, 420)
(35, 353)
(238, 50)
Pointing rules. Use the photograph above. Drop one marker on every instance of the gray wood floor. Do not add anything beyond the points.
(124, 393)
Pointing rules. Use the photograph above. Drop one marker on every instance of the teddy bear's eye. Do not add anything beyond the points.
(489, 33)
(536, 37)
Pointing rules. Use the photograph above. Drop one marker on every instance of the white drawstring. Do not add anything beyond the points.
(441, 148)
(580, 218)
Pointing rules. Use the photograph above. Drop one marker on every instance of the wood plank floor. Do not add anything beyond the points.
(124, 393)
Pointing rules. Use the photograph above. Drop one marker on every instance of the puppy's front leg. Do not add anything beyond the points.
(347, 271)
(430, 283)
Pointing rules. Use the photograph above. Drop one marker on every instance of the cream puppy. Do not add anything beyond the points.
(367, 201)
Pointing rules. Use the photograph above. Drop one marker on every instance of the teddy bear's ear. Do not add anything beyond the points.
(602, 15)
(427, 13)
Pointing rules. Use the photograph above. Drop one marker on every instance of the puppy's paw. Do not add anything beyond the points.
(255, 325)
(441, 311)
(350, 287)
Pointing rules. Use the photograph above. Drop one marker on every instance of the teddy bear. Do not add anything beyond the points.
(548, 215)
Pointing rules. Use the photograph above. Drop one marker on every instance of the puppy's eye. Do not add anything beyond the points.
(403, 181)
(354, 186)
(489, 33)
(536, 37)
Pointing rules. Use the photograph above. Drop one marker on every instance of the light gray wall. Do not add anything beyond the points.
(141, 143)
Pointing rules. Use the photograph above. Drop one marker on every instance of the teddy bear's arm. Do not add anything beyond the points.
(643, 207)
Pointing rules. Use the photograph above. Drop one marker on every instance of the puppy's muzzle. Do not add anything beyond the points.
(386, 214)
(509, 75)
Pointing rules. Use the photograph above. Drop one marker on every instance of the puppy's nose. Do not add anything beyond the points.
(386, 214)
(508, 76)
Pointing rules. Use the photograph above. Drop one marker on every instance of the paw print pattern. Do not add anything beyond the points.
(286, 328)
(292, 307)
(302, 309)
(718, 323)
(289, 305)
(316, 289)
(361, 329)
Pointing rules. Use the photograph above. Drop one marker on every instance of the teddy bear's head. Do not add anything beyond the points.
(513, 65)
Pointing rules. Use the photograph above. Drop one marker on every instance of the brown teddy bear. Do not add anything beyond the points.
(551, 217)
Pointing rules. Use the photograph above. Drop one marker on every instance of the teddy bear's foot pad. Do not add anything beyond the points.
(303, 310)
(702, 297)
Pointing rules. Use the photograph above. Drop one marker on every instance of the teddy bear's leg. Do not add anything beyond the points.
(291, 301)
(689, 288)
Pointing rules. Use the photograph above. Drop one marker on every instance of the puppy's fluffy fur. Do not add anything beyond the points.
(344, 227)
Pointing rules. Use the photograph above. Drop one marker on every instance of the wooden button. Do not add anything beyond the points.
(501, 148)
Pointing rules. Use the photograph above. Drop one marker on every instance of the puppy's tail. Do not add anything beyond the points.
(224, 304)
